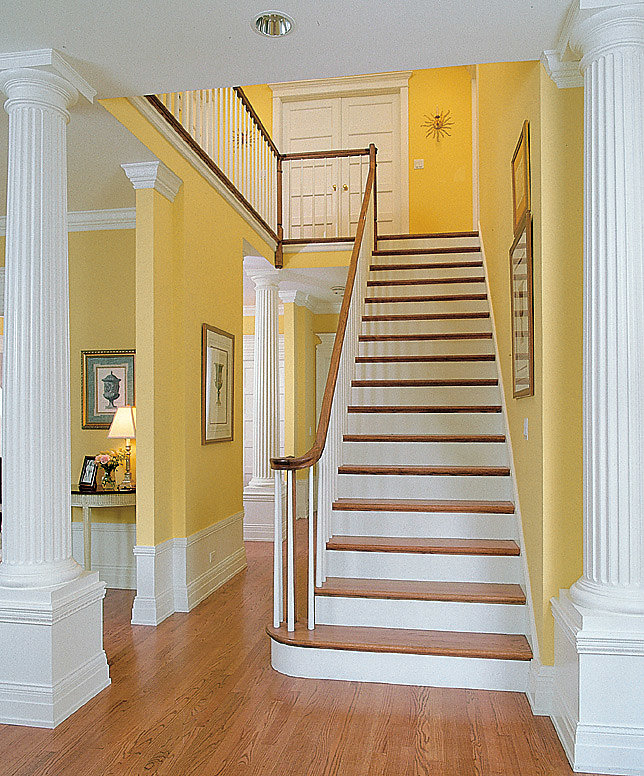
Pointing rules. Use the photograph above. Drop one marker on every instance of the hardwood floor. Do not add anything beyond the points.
(197, 695)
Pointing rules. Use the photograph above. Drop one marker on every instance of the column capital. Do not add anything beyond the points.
(599, 28)
(262, 272)
(153, 175)
(29, 86)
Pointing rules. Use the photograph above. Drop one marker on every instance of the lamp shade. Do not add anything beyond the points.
(124, 424)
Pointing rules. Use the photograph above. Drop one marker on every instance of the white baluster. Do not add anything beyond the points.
(311, 568)
(278, 573)
(290, 553)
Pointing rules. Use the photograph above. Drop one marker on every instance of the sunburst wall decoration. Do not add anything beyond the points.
(439, 125)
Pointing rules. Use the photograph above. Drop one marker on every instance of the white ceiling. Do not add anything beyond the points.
(150, 46)
(131, 48)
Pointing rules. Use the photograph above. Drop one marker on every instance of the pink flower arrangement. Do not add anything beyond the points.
(110, 460)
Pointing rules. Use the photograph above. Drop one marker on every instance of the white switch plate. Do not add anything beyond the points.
(525, 427)
(419, 164)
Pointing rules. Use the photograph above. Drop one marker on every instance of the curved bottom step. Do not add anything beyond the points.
(422, 658)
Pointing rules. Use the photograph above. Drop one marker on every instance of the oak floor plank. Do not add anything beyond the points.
(197, 695)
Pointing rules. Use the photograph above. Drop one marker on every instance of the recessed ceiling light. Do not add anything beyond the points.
(273, 24)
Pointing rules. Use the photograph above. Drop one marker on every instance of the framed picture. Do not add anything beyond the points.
(217, 398)
(87, 479)
(521, 178)
(522, 310)
(107, 383)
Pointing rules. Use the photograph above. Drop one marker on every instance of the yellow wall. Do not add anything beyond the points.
(440, 195)
(101, 316)
(547, 465)
(260, 97)
(201, 238)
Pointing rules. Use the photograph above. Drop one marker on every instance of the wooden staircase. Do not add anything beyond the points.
(425, 579)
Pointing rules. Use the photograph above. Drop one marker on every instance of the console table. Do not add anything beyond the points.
(89, 500)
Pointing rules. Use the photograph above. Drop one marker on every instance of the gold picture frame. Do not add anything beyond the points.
(115, 370)
(522, 309)
(217, 385)
(521, 178)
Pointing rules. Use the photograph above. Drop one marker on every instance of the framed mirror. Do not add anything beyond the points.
(522, 310)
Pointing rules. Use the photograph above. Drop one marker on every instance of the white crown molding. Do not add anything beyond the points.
(565, 74)
(295, 296)
(319, 247)
(93, 220)
(153, 175)
(48, 58)
(380, 82)
(157, 121)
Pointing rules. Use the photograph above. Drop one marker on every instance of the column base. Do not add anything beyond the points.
(259, 513)
(598, 701)
(51, 651)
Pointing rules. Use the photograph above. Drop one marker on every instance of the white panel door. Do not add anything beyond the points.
(323, 196)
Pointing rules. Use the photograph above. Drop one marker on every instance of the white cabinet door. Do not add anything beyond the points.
(323, 196)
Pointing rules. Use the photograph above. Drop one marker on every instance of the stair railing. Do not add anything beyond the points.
(325, 452)
(222, 127)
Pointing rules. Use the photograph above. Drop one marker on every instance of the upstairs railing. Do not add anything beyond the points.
(331, 428)
(312, 196)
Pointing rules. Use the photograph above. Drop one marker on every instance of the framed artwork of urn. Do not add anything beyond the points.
(217, 371)
(107, 383)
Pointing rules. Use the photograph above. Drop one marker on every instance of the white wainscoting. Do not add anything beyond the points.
(178, 574)
(112, 552)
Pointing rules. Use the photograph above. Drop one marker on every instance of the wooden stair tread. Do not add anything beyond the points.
(423, 281)
(448, 408)
(423, 505)
(425, 298)
(427, 235)
(426, 265)
(462, 382)
(465, 335)
(426, 251)
(427, 317)
(426, 471)
(424, 359)
(498, 646)
(400, 589)
(424, 545)
(469, 438)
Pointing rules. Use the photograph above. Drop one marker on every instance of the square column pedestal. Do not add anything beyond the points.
(51, 650)
(599, 687)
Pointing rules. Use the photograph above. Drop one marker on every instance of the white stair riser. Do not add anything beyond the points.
(437, 326)
(432, 243)
(425, 453)
(427, 272)
(442, 394)
(431, 289)
(434, 370)
(426, 347)
(436, 525)
(425, 423)
(432, 487)
(420, 615)
(421, 308)
(393, 668)
(424, 567)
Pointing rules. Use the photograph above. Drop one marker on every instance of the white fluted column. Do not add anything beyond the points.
(51, 650)
(259, 494)
(36, 531)
(599, 623)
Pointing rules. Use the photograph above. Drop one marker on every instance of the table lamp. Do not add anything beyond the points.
(124, 427)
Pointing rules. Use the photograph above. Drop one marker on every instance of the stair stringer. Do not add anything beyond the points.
(535, 664)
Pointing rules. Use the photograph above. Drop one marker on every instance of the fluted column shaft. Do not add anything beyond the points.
(265, 378)
(612, 44)
(36, 541)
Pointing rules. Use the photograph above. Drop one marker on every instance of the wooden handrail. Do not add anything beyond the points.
(199, 151)
(246, 103)
(327, 154)
(311, 457)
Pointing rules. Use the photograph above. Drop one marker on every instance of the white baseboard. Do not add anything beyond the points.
(540, 689)
(178, 574)
(112, 552)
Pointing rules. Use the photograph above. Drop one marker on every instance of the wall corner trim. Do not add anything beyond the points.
(153, 175)
(565, 74)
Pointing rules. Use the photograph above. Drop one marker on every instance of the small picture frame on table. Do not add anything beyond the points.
(217, 397)
(107, 383)
(521, 178)
(87, 479)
